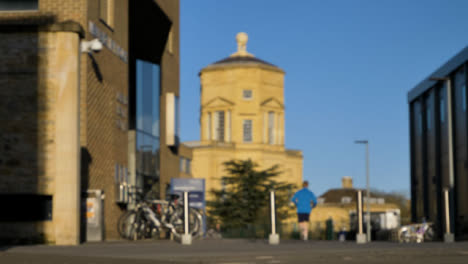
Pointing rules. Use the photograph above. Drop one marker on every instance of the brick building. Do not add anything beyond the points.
(77, 116)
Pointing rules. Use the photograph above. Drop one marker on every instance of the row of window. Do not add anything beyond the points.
(460, 87)
(221, 119)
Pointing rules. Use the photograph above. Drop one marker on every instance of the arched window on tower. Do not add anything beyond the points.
(247, 125)
(219, 126)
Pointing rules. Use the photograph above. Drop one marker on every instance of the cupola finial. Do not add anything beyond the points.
(242, 39)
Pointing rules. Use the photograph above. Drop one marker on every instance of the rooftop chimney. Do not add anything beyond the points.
(347, 182)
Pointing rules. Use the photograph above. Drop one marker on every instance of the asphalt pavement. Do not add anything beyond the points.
(237, 251)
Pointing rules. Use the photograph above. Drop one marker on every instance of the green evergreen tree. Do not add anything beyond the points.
(245, 197)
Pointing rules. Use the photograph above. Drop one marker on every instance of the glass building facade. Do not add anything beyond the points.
(430, 151)
(147, 125)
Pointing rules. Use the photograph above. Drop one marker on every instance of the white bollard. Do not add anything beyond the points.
(273, 239)
(360, 236)
(448, 236)
(186, 238)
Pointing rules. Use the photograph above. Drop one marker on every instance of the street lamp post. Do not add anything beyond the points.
(448, 194)
(368, 216)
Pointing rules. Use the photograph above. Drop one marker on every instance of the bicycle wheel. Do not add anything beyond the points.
(403, 235)
(195, 222)
(429, 234)
(123, 223)
(132, 225)
(150, 226)
(198, 231)
(139, 226)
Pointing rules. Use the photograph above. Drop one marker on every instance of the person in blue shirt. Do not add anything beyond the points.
(304, 200)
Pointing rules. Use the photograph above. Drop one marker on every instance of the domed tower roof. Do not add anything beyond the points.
(242, 57)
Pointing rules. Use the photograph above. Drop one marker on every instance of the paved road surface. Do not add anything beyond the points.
(237, 252)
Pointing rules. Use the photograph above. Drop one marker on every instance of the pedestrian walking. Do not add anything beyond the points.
(304, 200)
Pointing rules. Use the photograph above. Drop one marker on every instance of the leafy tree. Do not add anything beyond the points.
(245, 196)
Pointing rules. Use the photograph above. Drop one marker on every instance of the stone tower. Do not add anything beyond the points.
(242, 117)
(242, 100)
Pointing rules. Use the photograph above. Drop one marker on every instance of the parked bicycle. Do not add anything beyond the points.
(416, 233)
(150, 218)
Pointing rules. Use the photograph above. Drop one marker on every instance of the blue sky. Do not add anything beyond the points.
(349, 65)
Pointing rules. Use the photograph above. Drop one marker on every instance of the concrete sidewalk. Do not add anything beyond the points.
(227, 251)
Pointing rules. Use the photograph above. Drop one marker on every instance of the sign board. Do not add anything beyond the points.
(93, 204)
(195, 188)
(91, 211)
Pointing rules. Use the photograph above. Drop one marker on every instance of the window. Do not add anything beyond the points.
(148, 97)
(428, 118)
(271, 127)
(442, 105)
(463, 87)
(147, 124)
(182, 164)
(187, 166)
(460, 87)
(247, 94)
(420, 123)
(25, 207)
(428, 112)
(219, 125)
(18, 5)
(247, 130)
(372, 200)
(106, 12)
(346, 200)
